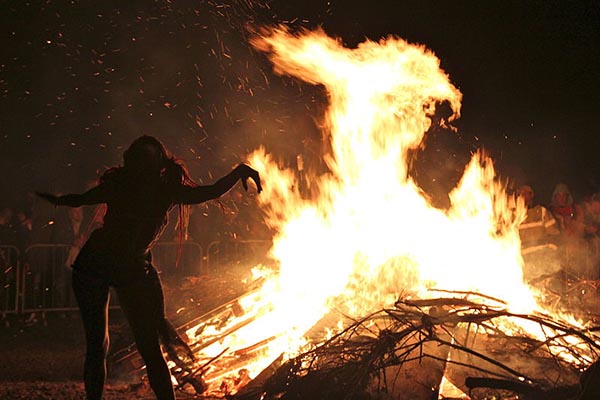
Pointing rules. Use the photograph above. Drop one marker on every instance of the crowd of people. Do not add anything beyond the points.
(560, 238)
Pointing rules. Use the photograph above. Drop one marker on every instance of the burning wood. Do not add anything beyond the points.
(359, 361)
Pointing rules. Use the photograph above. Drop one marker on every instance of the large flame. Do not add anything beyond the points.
(371, 232)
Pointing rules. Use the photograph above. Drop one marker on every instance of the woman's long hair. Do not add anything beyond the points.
(176, 172)
(147, 151)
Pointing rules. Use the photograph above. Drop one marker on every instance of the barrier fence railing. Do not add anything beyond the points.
(46, 273)
(165, 257)
(9, 280)
(47, 279)
(39, 280)
(232, 253)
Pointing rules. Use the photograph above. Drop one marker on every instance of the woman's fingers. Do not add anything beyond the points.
(253, 174)
(256, 179)
(249, 172)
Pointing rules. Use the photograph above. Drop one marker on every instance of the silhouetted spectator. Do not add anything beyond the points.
(7, 231)
(539, 234)
(572, 247)
(68, 229)
(563, 208)
(589, 220)
(43, 217)
(23, 226)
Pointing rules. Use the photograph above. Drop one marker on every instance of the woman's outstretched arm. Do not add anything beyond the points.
(200, 194)
(95, 195)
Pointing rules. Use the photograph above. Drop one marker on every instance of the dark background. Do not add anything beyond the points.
(79, 80)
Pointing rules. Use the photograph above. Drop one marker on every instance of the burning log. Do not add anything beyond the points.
(358, 362)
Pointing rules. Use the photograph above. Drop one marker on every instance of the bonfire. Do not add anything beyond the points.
(369, 291)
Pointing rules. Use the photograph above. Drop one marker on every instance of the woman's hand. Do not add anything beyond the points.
(48, 197)
(246, 172)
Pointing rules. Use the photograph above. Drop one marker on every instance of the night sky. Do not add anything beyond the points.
(79, 80)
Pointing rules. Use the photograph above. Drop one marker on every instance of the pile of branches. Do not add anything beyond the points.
(352, 364)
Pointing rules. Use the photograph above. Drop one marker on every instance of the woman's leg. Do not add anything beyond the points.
(143, 304)
(92, 297)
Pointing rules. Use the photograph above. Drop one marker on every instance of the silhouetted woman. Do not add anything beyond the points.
(138, 196)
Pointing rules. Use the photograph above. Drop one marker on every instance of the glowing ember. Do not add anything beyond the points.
(371, 233)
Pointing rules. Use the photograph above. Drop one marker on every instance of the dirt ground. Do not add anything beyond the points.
(44, 359)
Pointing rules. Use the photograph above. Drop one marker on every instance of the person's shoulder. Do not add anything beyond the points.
(538, 210)
(112, 175)
(538, 207)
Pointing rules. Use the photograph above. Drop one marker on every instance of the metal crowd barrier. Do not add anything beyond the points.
(9, 280)
(165, 258)
(46, 279)
(240, 253)
(40, 280)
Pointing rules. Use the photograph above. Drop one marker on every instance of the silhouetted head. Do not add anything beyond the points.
(147, 158)
(6, 215)
(561, 196)
(145, 155)
(526, 193)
